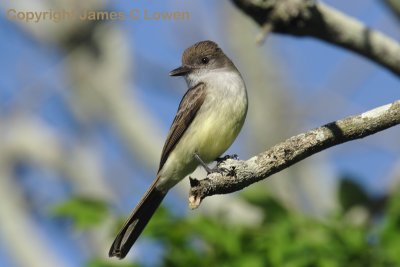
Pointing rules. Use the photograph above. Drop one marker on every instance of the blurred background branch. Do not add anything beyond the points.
(394, 6)
(309, 18)
(85, 106)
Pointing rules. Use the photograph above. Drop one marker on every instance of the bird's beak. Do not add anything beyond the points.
(181, 71)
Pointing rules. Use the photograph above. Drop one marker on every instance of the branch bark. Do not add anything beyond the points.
(394, 6)
(316, 19)
(239, 174)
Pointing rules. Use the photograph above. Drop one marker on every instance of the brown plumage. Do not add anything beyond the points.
(193, 55)
(213, 79)
(188, 107)
(136, 222)
(133, 227)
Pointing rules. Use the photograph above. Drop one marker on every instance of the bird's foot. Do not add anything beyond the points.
(217, 169)
(209, 170)
(222, 159)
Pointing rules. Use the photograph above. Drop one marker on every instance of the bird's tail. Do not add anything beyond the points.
(136, 222)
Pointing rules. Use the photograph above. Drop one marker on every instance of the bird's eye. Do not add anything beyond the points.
(205, 60)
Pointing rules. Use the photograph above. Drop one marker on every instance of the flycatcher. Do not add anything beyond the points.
(209, 118)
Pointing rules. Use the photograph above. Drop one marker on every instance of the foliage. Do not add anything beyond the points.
(83, 211)
(283, 238)
(103, 263)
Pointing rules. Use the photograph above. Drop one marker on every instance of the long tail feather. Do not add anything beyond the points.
(136, 222)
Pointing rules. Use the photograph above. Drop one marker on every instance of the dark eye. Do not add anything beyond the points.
(205, 60)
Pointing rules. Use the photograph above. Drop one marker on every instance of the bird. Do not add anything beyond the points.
(208, 120)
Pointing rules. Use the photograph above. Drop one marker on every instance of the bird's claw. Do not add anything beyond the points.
(221, 159)
(217, 169)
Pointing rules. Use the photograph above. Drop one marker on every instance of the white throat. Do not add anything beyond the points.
(216, 78)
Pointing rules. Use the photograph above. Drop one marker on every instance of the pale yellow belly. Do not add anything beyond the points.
(215, 135)
(210, 134)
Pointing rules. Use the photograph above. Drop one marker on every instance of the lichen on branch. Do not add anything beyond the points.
(242, 173)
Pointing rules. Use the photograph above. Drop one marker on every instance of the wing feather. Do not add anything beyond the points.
(187, 110)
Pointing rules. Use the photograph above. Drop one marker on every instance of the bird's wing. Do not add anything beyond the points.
(190, 104)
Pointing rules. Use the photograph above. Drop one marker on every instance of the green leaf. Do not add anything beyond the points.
(104, 263)
(85, 212)
(352, 194)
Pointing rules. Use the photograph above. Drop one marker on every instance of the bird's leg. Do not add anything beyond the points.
(208, 169)
(201, 162)
(220, 160)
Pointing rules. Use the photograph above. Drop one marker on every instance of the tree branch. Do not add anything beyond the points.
(240, 174)
(309, 18)
(394, 6)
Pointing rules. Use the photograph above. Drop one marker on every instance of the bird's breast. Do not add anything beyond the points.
(212, 131)
(222, 115)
